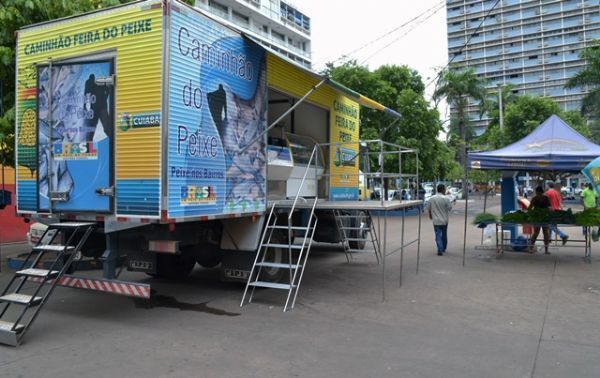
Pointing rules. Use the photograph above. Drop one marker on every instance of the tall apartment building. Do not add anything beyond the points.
(274, 23)
(532, 44)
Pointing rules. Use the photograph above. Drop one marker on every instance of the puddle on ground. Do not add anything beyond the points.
(158, 300)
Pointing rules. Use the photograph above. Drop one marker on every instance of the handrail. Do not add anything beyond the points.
(312, 155)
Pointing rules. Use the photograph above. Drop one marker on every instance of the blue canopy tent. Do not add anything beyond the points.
(552, 146)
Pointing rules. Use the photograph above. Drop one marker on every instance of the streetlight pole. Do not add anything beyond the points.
(500, 106)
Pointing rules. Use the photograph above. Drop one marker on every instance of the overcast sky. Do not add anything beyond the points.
(340, 27)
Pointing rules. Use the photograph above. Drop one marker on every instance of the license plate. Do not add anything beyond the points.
(141, 265)
(236, 273)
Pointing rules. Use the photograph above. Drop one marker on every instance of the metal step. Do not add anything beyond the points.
(271, 285)
(72, 224)
(278, 265)
(354, 228)
(42, 273)
(52, 248)
(7, 326)
(286, 246)
(7, 336)
(356, 239)
(22, 299)
(281, 227)
(354, 250)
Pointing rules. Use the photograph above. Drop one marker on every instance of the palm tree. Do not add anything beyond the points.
(458, 87)
(590, 77)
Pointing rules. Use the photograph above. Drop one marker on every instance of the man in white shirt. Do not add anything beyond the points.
(438, 208)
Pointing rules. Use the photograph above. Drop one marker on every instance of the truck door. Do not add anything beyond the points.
(75, 129)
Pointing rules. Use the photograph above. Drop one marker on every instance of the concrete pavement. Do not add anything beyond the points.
(521, 316)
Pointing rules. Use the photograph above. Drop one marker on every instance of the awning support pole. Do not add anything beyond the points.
(285, 114)
(466, 195)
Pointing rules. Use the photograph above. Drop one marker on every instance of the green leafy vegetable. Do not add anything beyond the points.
(485, 218)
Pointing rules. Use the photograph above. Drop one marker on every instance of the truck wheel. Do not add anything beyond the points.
(276, 255)
(174, 266)
(362, 222)
(206, 255)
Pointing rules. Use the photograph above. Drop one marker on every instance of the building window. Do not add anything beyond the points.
(240, 18)
(278, 35)
(293, 16)
(219, 8)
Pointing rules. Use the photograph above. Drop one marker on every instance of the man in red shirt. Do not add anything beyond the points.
(555, 204)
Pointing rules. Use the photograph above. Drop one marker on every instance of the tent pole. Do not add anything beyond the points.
(466, 189)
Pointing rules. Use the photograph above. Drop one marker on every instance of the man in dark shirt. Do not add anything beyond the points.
(540, 201)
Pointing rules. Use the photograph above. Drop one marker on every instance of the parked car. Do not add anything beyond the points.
(567, 192)
(399, 194)
(456, 193)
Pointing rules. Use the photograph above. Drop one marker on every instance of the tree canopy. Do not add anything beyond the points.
(589, 77)
(459, 88)
(402, 89)
(522, 115)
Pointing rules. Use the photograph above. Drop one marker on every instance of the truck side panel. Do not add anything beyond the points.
(131, 36)
(343, 121)
(217, 108)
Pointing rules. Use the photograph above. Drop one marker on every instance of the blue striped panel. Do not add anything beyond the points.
(138, 197)
(26, 195)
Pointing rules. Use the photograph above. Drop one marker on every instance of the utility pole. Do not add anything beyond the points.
(500, 106)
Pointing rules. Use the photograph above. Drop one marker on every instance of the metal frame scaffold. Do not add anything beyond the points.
(382, 156)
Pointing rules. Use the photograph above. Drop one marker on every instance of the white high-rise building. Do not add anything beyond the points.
(276, 24)
(532, 44)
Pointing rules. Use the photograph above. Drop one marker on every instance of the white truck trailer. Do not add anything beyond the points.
(153, 137)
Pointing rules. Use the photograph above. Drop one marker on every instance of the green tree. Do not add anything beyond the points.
(525, 114)
(458, 88)
(589, 78)
(14, 14)
(528, 112)
(522, 115)
(402, 89)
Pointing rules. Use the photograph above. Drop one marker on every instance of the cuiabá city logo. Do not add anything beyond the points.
(134, 121)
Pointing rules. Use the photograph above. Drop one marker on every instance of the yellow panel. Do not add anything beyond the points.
(344, 120)
(134, 34)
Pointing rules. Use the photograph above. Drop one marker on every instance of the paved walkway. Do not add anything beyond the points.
(522, 316)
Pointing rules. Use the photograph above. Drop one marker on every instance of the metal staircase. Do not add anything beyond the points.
(297, 254)
(20, 303)
(356, 230)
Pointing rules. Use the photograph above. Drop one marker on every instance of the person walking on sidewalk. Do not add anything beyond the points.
(438, 208)
(553, 194)
(539, 201)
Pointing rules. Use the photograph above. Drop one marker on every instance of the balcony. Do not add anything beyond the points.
(455, 13)
(571, 5)
(455, 27)
(572, 21)
(513, 49)
(509, 33)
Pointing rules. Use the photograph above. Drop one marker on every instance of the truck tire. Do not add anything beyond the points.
(362, 222)
(174, 266)
(278, 255)
(206, 255)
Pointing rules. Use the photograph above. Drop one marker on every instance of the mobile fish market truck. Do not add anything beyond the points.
(142, 141)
